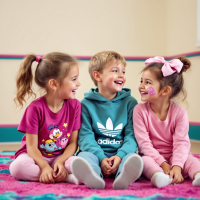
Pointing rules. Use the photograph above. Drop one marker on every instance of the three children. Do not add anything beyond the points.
(107, 140)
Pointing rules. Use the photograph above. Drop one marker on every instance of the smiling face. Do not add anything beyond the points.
(70, 84)
(149, 87)
(113, 77)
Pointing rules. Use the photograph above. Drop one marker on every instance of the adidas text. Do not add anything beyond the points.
(108, 141)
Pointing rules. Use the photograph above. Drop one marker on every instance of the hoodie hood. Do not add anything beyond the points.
(95, 96)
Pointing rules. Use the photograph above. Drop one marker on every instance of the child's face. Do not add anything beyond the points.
(113, 76)
(70, 84)
(149, 87)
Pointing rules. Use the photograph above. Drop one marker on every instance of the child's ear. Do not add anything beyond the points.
(53, 84)
(97, 76)
(166, 90)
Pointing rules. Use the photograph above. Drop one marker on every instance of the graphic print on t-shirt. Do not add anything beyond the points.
(109, 131)
(58, 140)
(109, 128)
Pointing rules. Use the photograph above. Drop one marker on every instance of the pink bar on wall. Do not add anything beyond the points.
(9, 125)
(195, 123)
(14, 55)
(184, 54)
(190, 54)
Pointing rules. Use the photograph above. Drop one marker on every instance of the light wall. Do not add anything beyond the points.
(181, 26)
(130, 27)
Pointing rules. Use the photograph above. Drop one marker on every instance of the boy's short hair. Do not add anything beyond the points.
(99, 60)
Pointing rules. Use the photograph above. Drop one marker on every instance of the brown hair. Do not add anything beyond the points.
(99, 60)
(52, 66)
(175, 81)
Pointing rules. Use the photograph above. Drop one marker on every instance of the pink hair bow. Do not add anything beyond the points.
(168, 68)
(38, 58)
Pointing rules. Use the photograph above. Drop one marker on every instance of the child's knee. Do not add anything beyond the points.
(146, 159)
(18, 167)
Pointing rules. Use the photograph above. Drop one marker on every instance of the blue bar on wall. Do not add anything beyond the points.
(10, 134)
(194, 132)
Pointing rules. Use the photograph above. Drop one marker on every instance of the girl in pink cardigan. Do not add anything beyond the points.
(161, 126)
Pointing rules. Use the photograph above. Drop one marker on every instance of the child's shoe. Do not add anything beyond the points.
(131, 171)
(159, 179)
(72, 179)
(84, 173)
(196, 181)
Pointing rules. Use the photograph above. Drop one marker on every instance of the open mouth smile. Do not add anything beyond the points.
(143, 93)
(74, 91)
(119, 82)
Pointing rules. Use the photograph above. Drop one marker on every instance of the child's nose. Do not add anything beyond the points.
(141, 85)
(121, 74)
(78, 84)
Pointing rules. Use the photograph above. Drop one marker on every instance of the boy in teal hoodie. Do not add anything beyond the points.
(106, 139)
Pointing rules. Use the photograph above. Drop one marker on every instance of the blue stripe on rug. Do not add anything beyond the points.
(50, 196)
(7, 153)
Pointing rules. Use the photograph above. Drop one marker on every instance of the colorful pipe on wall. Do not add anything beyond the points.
(87, 58)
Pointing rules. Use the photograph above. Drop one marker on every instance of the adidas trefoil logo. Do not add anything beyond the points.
(109, 128)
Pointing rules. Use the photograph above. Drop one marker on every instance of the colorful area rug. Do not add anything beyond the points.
(10, 188)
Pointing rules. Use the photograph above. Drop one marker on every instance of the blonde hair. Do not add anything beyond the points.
(99, 60)
(52, 66)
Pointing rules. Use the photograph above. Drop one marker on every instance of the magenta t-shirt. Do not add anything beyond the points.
(53, 129)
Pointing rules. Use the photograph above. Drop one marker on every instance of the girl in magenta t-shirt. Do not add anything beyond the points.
(161, 126)
(51, 122)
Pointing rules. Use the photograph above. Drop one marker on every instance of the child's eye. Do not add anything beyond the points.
(74, 79)
(148, 82)
(114, 70)
(123, 72)
(140, 81)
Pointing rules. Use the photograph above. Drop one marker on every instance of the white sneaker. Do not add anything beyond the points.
(84, 173)
(159, 179)
(72, 179)
(131, 171)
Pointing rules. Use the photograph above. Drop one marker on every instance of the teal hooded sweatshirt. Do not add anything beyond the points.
(107, 126)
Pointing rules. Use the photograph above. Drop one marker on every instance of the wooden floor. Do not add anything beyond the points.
(195, 147)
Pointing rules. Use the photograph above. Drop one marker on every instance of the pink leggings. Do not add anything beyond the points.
(191, 166)
(25, 168)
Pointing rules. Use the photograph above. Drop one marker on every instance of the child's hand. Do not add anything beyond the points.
(175, 173)
(110, 162)
(116, 160)
(60, 173)
(46, 175)
(105, 166)
(166, 167)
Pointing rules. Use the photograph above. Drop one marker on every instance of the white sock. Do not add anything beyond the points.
(131, 171)
(72, 179)
(85, 173)
(196, 181)
(159, 179)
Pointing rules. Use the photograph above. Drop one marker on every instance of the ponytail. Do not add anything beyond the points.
(49, 67)
(24, 81)
(186, 63)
